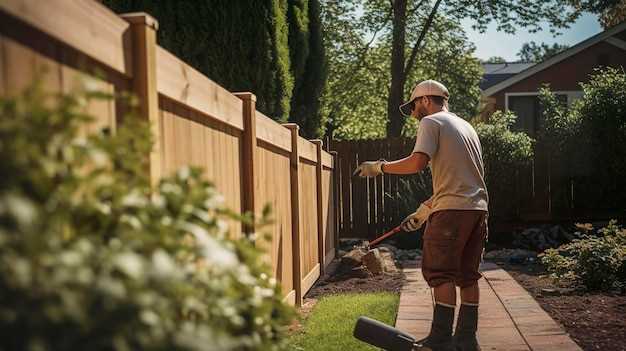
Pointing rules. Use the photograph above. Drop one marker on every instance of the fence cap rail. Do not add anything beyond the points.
(86, 26)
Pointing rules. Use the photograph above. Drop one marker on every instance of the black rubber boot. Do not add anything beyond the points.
(440, 337)
(466, 326)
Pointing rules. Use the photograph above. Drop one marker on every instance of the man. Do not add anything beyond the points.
(456, 214)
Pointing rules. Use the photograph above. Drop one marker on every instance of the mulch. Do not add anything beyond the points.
(595, 320)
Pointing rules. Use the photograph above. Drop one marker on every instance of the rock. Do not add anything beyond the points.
(549, 292)
(353, 258)
(389, 265)
(510, 254)
(373, 261)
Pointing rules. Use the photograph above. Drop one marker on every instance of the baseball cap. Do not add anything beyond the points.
(425, 88)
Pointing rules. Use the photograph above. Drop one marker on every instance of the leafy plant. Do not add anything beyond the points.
(595, 262)
(589, 138)
(504, 150)
(93, 258)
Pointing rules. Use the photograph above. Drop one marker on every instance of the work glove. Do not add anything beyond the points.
(369, 168)
(415, 220)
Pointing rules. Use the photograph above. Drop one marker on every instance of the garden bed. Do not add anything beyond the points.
(595, 320)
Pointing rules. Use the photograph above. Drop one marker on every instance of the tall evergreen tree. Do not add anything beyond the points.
(309, 65)
(241, 45)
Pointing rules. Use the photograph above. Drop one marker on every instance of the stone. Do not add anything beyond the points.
(389, 265)
(353, 258)
(373, 261)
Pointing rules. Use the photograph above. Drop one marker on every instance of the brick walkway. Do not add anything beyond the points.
(509, 318)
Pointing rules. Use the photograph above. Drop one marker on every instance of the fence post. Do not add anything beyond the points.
(295, 211)
(321, 242)
(249, 156)
(143, 29)
(336, 198)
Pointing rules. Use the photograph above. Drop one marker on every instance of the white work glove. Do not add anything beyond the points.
(415, 220)
(370, 168)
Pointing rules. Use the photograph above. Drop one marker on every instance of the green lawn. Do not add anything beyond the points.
(329, 326)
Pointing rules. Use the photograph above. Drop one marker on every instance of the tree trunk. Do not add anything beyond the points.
(396, 91)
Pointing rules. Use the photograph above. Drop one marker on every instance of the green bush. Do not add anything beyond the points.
(92, 258)
(589, 138)
(595, 262)
(504, 151)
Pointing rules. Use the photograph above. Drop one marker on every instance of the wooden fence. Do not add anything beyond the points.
(251, 159)
(540, 193)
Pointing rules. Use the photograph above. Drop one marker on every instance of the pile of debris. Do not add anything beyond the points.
(360, 262)
(363, 263)
(542, 238)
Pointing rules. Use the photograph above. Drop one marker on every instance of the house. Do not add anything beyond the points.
(498, 72)
(515, 87)
(545, 191)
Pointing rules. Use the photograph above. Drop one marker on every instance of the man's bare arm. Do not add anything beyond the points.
(414, 163)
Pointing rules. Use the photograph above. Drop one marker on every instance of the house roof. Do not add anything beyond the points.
(529, 71)
(497, 72)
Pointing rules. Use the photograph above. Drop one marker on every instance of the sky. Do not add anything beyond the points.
(494, 43)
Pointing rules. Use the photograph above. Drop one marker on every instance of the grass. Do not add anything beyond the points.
(329, 326)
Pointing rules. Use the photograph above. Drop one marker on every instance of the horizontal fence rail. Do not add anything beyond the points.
(252, 160)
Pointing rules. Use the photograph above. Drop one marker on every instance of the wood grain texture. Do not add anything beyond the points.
(86, 26)
(182, 83)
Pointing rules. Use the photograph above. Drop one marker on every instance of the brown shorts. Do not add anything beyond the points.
(454, 241)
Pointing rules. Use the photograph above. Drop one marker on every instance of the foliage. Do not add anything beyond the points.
(503, 152)
(331, 322)
(355, 98)
(611, 12)
(590, 136)
(92, 258)
(533, 52)
(309, 65)
(496, 59)
(248, 46)
(596, 262)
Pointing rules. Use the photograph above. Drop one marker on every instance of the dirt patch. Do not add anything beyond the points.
(594, 320)
(346, 283)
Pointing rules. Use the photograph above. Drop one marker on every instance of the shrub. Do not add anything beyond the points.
(503, 152)
(589, 138)
(92, 258)
(596, 262)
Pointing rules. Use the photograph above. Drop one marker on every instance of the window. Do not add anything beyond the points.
(529, 112)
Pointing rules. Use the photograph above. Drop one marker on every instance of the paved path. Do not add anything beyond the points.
(509, 318)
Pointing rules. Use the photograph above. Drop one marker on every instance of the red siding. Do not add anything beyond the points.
(566, 74)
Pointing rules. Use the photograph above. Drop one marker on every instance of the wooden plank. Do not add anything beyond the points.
(327, 160)
(19, 63)
(321, 235)
(2, 67)
(310, 278)
(181, 82)
(290, 298)
(379, 188)
(295, 213)
(272, 132)
(86, 26)
(346, 187)
(307, 150)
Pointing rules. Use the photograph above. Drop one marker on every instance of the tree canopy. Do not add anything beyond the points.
(533, 52)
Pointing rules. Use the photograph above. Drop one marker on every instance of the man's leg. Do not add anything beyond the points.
(439, 267)
(445, 293)
(467, 320)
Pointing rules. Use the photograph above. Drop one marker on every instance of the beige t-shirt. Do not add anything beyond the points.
(455, 160)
